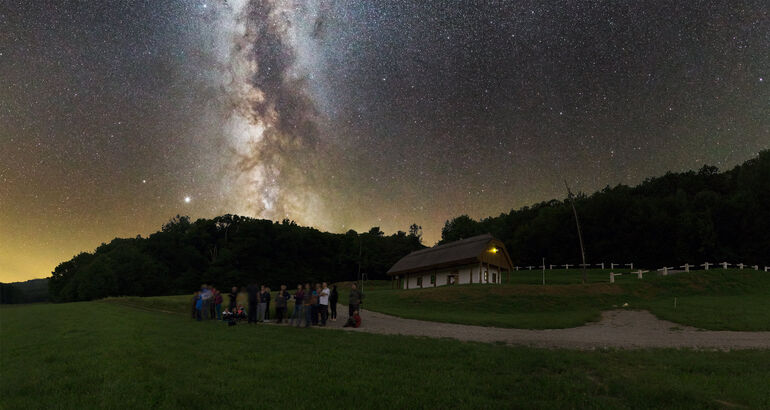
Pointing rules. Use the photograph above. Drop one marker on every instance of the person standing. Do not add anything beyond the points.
(323, 303)
(206, 301)
(299, 299)
(281, 300)
(233, 299)
(316, 307)
(307, 305)
(354, 299)
(197, 306)
(253, 292)
(195, 298)
(218, 303)
(212, 304)
(333, 298)
(264, 297)
(267, 308)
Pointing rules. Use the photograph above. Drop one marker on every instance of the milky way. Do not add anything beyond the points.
(117, 115)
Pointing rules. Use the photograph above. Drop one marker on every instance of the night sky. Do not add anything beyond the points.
(117, 115)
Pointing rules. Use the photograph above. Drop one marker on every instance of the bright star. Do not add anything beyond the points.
(187, 199)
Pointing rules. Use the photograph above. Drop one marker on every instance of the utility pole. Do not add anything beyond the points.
(580, 235)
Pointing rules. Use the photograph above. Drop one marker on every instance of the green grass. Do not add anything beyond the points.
(110, 355)
(565, 276)
(717, 300)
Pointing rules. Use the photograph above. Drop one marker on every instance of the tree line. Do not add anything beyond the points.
(31, 291)
(678, 218)
(674, 219)
(227, 251)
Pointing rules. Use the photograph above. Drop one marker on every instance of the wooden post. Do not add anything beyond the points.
(471, 275)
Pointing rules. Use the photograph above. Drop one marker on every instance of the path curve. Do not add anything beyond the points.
(624, 329)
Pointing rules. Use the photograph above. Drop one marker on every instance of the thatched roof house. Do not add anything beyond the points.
(479, 259)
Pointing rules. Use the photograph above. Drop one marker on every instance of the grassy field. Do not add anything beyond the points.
(123, 354)
(716, 299)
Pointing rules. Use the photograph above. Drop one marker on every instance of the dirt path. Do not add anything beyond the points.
(625, 329)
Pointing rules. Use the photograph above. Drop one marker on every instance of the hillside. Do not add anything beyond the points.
(31, 291)
(688, 217)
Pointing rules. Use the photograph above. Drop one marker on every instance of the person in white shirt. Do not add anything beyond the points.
(323, 301)
(206, 301)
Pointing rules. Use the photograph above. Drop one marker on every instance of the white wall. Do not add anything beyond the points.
(464, 277)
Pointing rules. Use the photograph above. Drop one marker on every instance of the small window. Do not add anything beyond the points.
(433, 279)
(486, 276)
(419, 281)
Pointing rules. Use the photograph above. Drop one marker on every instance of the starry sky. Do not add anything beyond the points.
(117, 115)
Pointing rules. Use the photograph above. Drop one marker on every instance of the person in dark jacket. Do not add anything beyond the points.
(264, 298)
(307, 305)
(299, 299)
(334, 297)
(281, 300)
(195, 298)
(267, 308)
(218, 303)
(198, 307)
(212, 305)
(233, 299)
(253, 293)
(315, 307)
(354, 299)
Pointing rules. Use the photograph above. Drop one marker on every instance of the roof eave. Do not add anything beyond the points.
(436, 266)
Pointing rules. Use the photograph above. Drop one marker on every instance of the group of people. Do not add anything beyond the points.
(312, 306)
(207, 304)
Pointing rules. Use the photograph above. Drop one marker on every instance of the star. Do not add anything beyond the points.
(348, 113)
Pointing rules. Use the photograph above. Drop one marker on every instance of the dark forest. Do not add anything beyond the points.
(677, 218)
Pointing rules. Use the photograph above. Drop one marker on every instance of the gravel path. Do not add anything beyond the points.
(625, 329)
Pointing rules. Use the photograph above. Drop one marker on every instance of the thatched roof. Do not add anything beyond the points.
(462, 252)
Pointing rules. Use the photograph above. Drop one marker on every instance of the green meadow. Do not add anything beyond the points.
(714, 299)
(146, 353)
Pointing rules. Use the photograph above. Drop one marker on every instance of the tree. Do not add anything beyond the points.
(415, 231)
